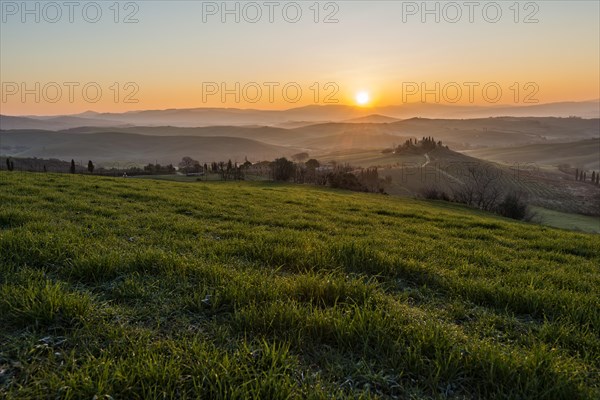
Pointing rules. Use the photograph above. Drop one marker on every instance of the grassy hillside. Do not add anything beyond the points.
(583, 154)
(499, 132)
(575, 222)
(443, 169)
(151, 289)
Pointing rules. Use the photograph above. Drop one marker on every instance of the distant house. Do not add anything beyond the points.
(325, 168)
(262, 168)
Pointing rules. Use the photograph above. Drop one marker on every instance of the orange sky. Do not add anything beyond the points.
(172, 58)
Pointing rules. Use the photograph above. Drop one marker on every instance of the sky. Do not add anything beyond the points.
(112, 56)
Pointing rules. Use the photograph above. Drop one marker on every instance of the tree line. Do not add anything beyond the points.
(424, 145)
(302, 169)
(582, 176)
(72, 167)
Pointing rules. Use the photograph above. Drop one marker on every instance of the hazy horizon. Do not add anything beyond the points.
(368, 110)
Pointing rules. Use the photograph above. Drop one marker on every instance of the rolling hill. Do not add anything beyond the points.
(107, 148)
(501, 131)
(55, 123)
(582, 154)
(461, 134)
(134, 288)
(373, 119)
(169, 143)
(445, 170)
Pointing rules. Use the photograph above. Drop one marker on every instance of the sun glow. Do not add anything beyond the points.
(362, 98)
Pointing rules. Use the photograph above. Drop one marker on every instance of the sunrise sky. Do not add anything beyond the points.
(173, 56)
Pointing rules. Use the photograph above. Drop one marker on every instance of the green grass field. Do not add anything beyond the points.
(141, 289)
(584, 223)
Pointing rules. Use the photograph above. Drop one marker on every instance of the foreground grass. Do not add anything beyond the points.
(148, 289)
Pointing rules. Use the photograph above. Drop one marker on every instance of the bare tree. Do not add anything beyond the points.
(479, 188)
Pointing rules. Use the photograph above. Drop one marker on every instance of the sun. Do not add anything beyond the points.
(362, 98)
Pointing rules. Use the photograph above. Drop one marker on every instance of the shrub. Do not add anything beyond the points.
(283, 169)
(346, 180)
(434, 194)
(514, 206)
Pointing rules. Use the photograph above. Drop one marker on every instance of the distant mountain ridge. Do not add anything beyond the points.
(200, 117)
(373, 119)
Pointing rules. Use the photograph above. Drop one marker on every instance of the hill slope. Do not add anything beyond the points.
(581, 154)
(168, 144)
(139, 289)
(112, 147)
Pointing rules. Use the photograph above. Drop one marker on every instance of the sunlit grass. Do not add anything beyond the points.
(150, 289)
